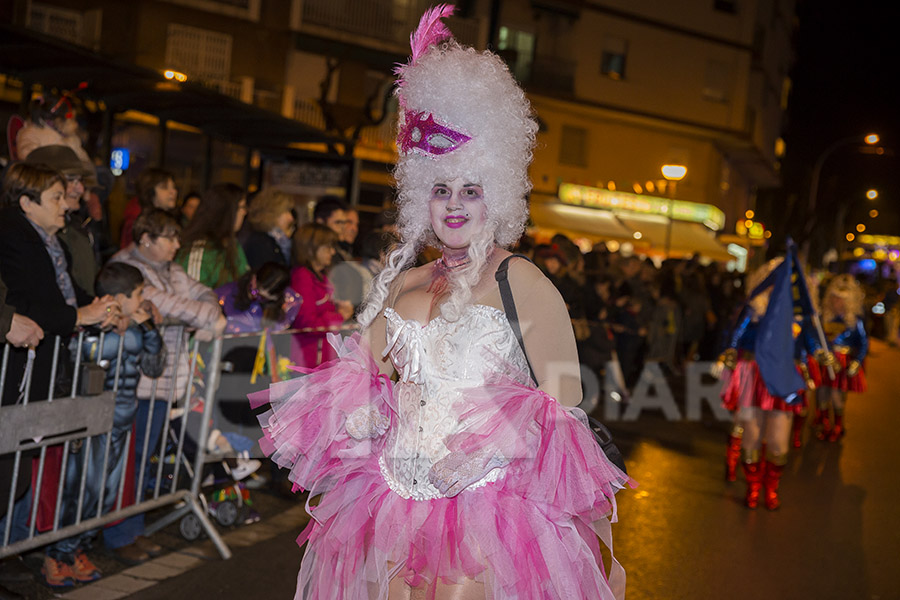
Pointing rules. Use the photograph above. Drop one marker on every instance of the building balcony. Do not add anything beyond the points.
(381, 20)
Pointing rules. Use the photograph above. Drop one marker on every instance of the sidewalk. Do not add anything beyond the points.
(278, 514)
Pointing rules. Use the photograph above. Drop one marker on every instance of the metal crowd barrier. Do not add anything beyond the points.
(70, 422)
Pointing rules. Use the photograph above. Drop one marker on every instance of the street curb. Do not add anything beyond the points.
(152, 572)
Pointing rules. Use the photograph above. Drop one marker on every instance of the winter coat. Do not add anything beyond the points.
(207, 265)
(140, 350)
(317, 310)
(178, 298)
(260, 248)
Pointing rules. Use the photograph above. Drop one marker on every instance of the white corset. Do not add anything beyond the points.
(435, 362)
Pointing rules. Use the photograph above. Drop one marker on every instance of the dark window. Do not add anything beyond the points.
(729, 6)
(573, 146)
(613, 59)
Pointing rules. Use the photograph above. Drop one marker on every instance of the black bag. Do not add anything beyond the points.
(153, 365)
(602, 435)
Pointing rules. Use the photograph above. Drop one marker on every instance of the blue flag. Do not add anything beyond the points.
(775, 339)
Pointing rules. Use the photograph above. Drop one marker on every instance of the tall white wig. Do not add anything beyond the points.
(462, 115)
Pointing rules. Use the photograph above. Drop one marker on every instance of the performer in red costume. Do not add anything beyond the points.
(847, 340)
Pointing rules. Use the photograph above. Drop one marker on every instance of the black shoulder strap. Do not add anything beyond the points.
(509, 306)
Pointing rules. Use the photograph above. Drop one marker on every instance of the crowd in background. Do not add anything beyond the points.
(631, 308)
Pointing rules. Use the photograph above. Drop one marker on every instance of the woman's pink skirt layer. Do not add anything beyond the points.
(530, 535)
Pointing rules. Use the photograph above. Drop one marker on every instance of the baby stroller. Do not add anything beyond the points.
(224, 494)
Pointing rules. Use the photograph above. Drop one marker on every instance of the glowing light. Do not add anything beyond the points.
(894, 255)
(860, 227)
(873, 213)
(638, 235)
(611, 186)
(612, 245)
(857, 252)
(674, 172)
(767, 234)
(749, 214)
(637, 188)
(878, 309)
(879, 254)
(872, 139)
(850, 237)
(748, 223)
(872, 194)
(176, 75)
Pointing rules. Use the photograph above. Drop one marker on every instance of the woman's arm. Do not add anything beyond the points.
(547, 332)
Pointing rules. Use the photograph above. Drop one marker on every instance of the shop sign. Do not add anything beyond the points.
(591, 197)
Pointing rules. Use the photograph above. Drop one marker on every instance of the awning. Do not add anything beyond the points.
(36, 58)
(687, 238)
(591, 223)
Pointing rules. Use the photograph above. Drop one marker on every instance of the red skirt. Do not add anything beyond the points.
(745, 388)
(842, 381)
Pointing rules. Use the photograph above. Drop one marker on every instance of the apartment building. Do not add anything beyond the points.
(621, 87)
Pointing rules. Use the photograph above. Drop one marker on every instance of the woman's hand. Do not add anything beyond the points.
(458, 470)
(104, 311)
(366, 422)
(345, 309)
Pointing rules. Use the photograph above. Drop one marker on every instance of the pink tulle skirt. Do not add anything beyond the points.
(533, 534)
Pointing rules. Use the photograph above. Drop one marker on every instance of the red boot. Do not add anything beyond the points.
(753, 473)
(823, 425)
(837, 432)
(797, 430)
(732, 456)
(771, 478)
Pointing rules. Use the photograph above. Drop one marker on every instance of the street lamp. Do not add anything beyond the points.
(673, 174)
(872, 194)
(871, 139)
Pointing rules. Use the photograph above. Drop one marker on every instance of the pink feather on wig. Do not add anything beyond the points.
(430, 32)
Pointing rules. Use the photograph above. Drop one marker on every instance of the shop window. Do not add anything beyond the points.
(573, 146)
(612, 61)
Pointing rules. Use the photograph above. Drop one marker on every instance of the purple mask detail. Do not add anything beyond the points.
(422, 133)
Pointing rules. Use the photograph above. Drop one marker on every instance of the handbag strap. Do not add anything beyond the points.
(509, 306)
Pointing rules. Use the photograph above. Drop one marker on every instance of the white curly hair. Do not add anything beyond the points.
(473, 93)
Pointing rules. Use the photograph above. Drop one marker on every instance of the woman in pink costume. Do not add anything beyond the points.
(463, 479)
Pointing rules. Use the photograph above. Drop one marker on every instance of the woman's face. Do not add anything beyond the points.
(49, 215)
(458, 212)
(241, 213)
(166, 195)
(285, 222)
(322, 259)
(190, 207)
(161, 249)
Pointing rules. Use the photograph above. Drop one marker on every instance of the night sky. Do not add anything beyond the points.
(844, 84)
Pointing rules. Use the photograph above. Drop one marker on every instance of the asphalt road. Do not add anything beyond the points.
(683, 533)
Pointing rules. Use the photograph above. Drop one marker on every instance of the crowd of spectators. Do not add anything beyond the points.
(193, 266)
(631, 309)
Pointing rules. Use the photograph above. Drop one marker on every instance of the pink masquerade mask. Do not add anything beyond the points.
(422, 133)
